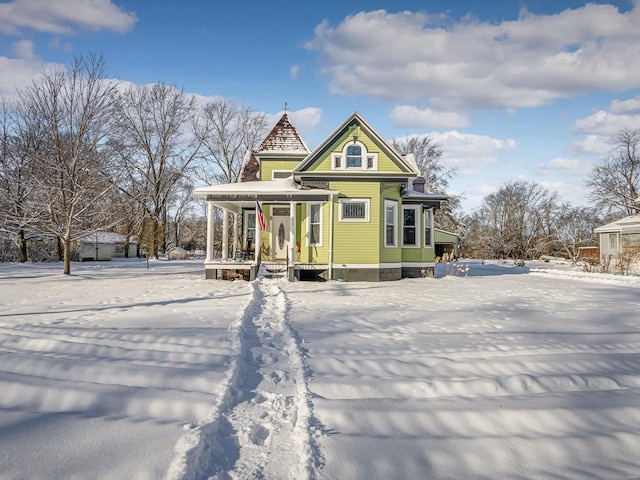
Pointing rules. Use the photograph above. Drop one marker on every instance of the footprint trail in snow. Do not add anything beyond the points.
(264, 427)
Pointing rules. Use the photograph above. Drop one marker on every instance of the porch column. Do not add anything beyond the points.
(210, 216)
(258, 237)
(225, 235)
(235, 235)
(292, 231)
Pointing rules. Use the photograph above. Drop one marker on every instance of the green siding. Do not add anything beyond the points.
(268, 165)
(357, 242)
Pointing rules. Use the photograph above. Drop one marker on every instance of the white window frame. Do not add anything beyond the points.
(428, 223)
(416, 209)
(339, 159)
(309, 224)
(615, 245)
(394, 205)
(365, 201)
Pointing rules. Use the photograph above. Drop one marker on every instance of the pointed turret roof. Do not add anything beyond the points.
(283, 138)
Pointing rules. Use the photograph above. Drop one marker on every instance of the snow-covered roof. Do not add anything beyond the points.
(105, 237)
(279, 186)
(630, 223)
(283, 138)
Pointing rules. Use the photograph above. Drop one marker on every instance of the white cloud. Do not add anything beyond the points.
(592, 145)
(468, 64)
(294, 71)
(19, 73)
(63, 16)
(600, 128)
(469, 153)
(24, 50)
(409, 116)
(565, 166)
(606, 123)
(304, 120)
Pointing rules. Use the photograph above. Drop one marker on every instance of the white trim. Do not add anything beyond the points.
(367, 209)
(366, 156)
(319, 243)
(418, 264)
(417, 226)
(273, 177)
(394, 204)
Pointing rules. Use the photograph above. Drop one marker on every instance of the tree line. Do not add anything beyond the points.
(81, 153)
(525, 220)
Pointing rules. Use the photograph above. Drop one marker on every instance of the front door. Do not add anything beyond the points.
(280, 234)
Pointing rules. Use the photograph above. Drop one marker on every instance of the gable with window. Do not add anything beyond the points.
(354, 156)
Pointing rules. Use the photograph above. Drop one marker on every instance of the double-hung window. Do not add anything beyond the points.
(354, 156)
(410, 215)
(390, 221)
(314, 216)
(613, 241)
(428, 228)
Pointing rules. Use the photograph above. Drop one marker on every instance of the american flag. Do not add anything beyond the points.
(262, 221)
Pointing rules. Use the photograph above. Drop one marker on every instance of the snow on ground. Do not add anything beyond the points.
(123, 372)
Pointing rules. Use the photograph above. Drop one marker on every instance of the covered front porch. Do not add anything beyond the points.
(263, 218)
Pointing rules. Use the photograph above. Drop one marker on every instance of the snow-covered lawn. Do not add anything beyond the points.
(123, 372)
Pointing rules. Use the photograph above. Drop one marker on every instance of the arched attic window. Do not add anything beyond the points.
(354, 156)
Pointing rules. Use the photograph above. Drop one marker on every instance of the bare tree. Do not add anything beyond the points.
(510, 222)
(227, 130)
(155, 151)
(614, 185)
(73, 111)
(569, 229)
(428, 156)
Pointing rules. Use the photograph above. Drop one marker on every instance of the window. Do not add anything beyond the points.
(354, 156)
(314, 216)
(428, 228)
(250, 231)
(410, 226)
(630, 240)
(354, 210)
(390, 216)
(613, 241)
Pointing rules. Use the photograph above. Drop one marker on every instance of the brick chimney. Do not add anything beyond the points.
(418, 184)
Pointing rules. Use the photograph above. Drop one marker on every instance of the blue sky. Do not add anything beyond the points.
(530, 89)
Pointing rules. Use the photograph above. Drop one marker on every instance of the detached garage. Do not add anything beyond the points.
(446, 243)
(106, 246)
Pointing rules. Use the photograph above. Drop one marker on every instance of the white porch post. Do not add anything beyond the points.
(258, 237)
(210, 216)
(235, 235)
(225, 235)
(292, 231)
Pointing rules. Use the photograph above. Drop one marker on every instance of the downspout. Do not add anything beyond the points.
(331, 239)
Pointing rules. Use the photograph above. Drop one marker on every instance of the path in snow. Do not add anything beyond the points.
(264, 426)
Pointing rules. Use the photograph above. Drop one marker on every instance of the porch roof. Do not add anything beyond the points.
(630, 224)
(245, 194)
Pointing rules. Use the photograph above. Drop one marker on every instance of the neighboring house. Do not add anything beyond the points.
(350, 209)
(619, 235)
(105, 246)
(446, 244)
